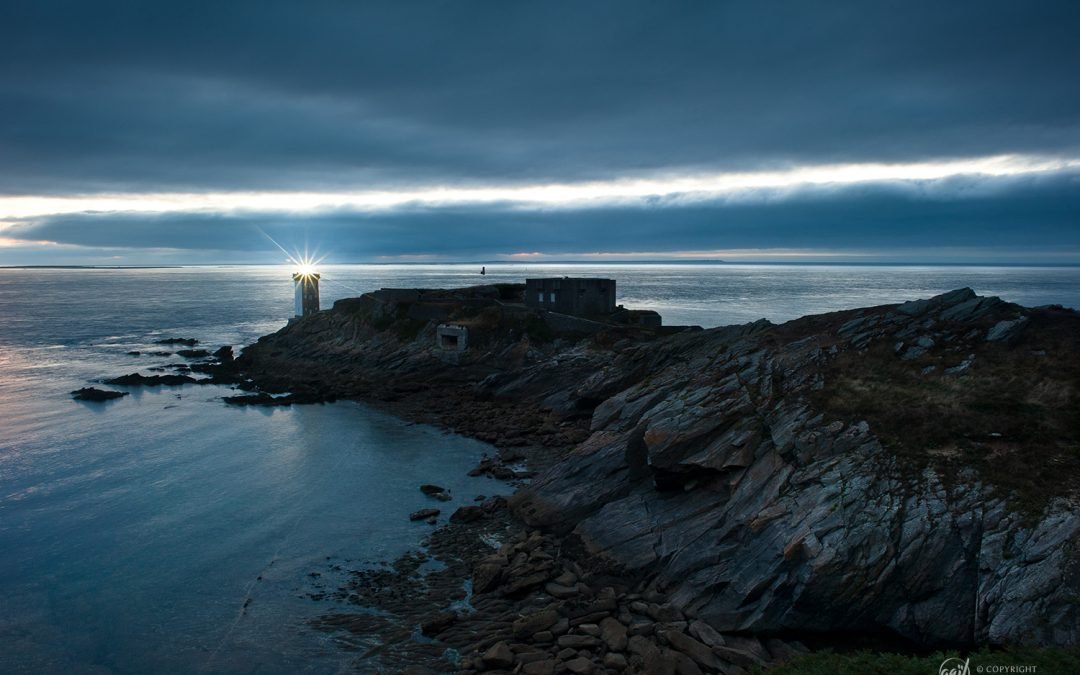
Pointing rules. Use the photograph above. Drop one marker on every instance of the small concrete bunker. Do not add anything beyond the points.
(452, 338)
(578, 296)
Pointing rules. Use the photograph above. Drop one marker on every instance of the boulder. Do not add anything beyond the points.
(579, 666)
(535, 622)
(423, 514)
(467, 514)
(438, 623)
(613, 634)
(188, 342)
(94, 394)
(545, 667)
(498, 655)
(692, 648)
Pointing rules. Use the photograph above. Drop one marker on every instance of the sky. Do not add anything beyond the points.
(137, 133)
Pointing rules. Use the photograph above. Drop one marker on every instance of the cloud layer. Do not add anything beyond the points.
(135, 97)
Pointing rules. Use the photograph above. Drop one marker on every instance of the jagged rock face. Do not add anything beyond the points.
(721, 471)
(857, 471)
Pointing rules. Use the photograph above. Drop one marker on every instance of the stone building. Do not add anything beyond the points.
(571, 295)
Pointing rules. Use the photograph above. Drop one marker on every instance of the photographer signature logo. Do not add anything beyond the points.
(954, 666)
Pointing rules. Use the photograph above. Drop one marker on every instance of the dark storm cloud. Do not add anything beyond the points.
(267, 95)
(1008, 218)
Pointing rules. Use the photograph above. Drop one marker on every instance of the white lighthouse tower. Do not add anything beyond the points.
(306, 292)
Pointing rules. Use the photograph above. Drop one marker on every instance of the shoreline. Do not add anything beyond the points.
(592, 418)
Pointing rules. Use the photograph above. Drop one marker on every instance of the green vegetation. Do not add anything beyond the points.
(1045, 660)
(1013, 416)
(407, 329)
(538, 330)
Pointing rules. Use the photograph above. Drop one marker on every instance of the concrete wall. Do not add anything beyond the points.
(452, 338)
(571, 295)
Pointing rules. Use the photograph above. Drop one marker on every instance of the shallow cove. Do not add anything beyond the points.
(180, 535)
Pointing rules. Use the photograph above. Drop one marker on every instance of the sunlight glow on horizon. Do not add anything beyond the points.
(688, 189)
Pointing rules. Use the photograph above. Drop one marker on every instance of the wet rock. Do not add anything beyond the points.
(641, 646)
(265, 399)
(615, 661)
(641, 628)
(438, 623)
(431, 490)
(193, 353)
(579, 666)
(566, 654)
(140, 380)
(749, 644)
(737, 656)
(705, 634)
(661, 662)
(467, 514)
(94, 394)
(423, 514)
(613, 634)
(692, 648)
(684, 665)
(544, 667)
(578, 641)
(781, 651)
(535, 622)
(189, 342)
(224, 354)
(525, 578)
(498, 656)
(487, 576)
(528, 654)
(559, 591)
(663, 613)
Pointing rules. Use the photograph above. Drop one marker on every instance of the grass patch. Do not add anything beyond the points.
(1013, 416)
(1040, 660)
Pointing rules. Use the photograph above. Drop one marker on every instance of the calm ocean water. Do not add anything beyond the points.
(133, 533)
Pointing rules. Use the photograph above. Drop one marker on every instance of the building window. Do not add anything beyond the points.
(540, 296)
(553, 296)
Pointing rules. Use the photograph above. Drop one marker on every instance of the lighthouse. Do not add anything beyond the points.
(306, 286)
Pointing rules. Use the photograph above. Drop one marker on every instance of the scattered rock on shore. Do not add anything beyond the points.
(467, 514)
(435, 491)
(424, 514)
(93, 394)
(189, 342)
(138, 379)
(193, 353)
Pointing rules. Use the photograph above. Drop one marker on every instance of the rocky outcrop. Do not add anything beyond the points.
(906, 470)
(97, 395)
(140, 380)
(188, 342)
(728, 475)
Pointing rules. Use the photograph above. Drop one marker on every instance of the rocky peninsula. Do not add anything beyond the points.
(712, 500)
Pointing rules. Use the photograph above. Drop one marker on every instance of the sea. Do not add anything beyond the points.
(168, 532)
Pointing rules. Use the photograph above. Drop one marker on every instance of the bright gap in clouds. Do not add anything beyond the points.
(551, 195)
